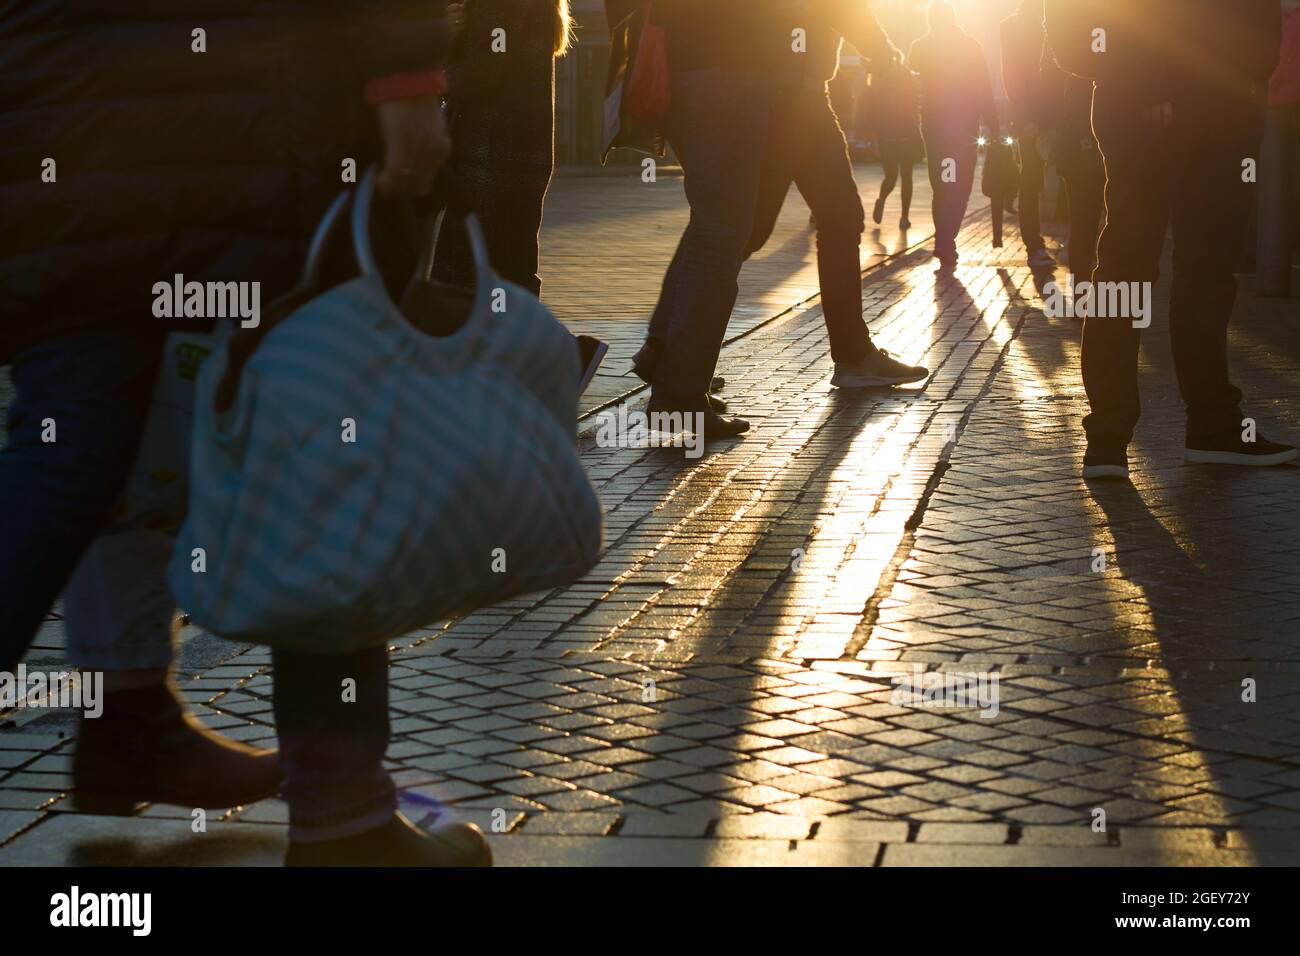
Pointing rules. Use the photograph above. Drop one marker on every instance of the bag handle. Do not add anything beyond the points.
(244, 342)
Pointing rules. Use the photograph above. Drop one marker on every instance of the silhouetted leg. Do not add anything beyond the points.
(827, 183)
(1140, 165)
(1031, 188)
(718, 130)
(331, 713)
(1211, 209)
(73, 432)
(905, 173)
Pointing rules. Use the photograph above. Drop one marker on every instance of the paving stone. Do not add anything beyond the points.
(570, 824)
(982, 833)
(763, 826)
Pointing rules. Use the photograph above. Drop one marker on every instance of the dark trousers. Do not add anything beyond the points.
(508, 204)
(951, 189)
(808, 149)
(718, 130)
(88, 393)
(1190, 176)
(1031, 184)
(94, 390)
(1084, 177)
(331, 746)
(897, 158)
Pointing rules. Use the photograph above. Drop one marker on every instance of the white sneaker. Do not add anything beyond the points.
(1041, 259)
(878, 368)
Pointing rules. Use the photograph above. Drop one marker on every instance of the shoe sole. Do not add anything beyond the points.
(105, 805)
(1105, 471)
(874, 381)
(593, 366)
(1197, 456)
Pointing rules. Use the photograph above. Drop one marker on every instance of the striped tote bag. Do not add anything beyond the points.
(366, 479)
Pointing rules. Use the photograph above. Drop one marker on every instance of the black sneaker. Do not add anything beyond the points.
(1231, 450)
(1101, 462)
(878, 367)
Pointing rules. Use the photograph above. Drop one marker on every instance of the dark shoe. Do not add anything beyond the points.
(146, 748)
(706, 423)
(1041, 259)
(1229, 449)
(878, 211)
(398, 843)
(878, 368)
(1100, 462)
(591, 352)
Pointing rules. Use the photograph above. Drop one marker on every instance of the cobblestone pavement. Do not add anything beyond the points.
(727, 685)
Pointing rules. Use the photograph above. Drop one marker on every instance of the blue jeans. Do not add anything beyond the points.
(73, 431)
(718, 129)
(90, 393)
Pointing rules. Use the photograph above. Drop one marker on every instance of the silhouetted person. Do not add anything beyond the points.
(1174, 112)
(895, 95)
(956, 94)
(1033, 95)
(719, 54)
(807, 148)
(503, 141)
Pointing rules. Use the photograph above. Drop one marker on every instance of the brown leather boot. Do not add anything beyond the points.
(147, 748)
(398, 843)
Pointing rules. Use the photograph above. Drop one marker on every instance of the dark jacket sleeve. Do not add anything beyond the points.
(1019, 72)
(394, 36)
(1262, 47)
(983, 86)
(857, 24)
(1069, 33)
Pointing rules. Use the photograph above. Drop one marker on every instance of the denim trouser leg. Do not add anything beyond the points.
(73, 431)
(718, 130)
(332, 741)
(827, 184)
(117, 609)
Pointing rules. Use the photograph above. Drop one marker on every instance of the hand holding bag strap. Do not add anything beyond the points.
(361, 244)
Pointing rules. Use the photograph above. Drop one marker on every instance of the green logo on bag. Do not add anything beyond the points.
(188, 359)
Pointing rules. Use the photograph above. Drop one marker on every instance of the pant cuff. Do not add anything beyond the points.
(318, 827)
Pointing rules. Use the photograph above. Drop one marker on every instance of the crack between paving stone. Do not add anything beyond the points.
(889, 577)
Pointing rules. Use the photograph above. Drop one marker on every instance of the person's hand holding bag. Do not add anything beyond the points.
(416, 144)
